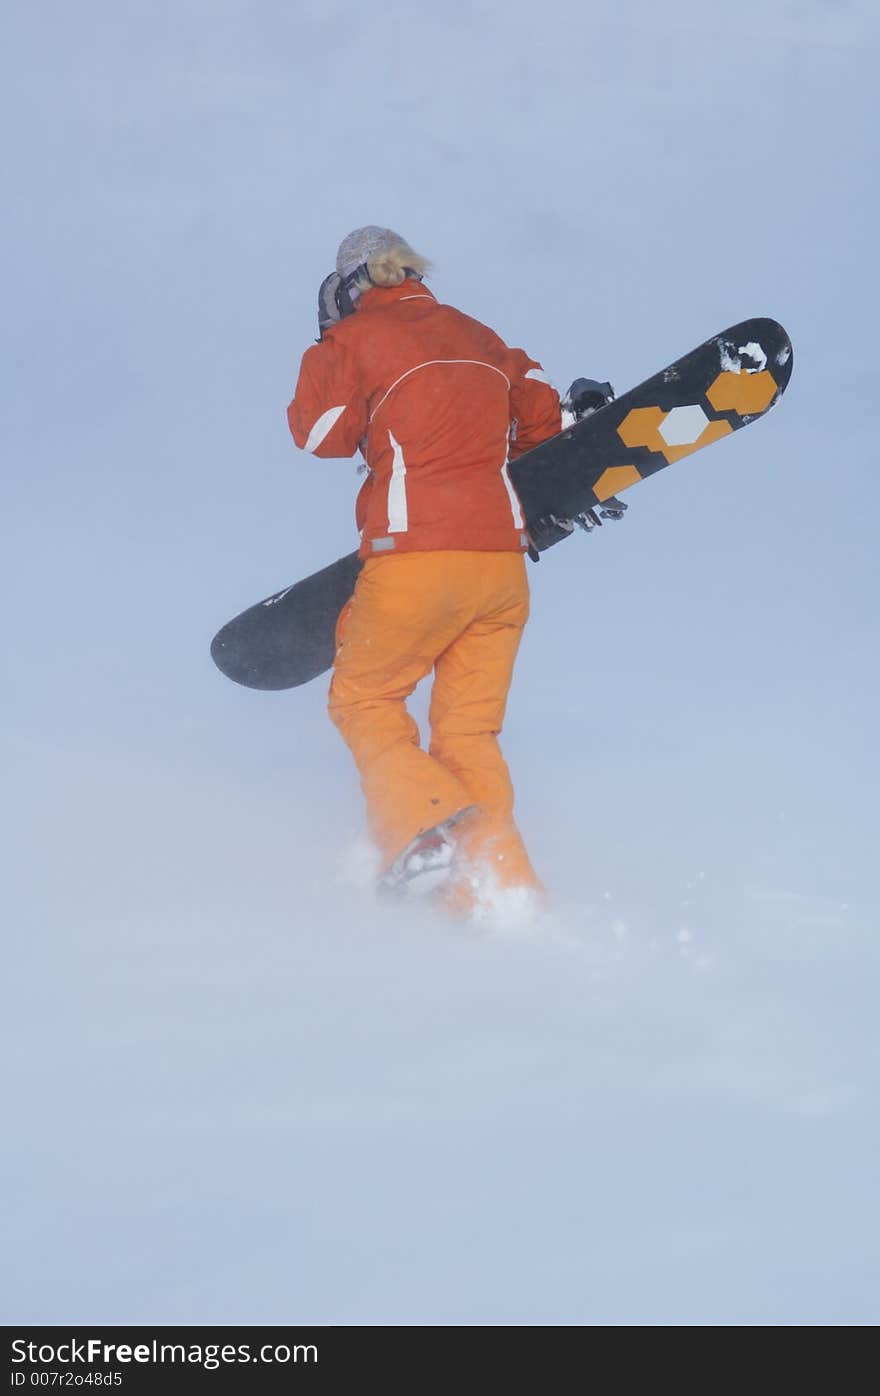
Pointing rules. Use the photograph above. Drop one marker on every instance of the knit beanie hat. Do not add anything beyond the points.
(388, 258)
(364, 244)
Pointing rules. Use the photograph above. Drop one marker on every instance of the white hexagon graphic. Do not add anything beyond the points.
(683, 425)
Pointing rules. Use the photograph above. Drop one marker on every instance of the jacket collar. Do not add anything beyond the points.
(381, 297)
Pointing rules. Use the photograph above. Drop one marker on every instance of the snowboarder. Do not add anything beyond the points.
(437, 403)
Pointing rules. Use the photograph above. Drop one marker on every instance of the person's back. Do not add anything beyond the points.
(428, 394)
(437, 403)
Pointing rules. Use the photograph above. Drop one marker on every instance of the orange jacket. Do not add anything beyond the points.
(437, 403)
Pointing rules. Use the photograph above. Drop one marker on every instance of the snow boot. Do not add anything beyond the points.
(426, 864)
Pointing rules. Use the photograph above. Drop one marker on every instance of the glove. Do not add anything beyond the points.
(328, 307)
(586, 395)
(337, 297)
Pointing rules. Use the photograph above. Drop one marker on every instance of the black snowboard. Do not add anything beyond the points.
(723, 385)
(290, 637)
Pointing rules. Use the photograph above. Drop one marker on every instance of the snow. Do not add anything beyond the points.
(238, 1088)
(732, 362)
(273, 600)
(756, 354)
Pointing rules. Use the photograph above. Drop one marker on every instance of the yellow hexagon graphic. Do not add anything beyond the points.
(712, 432)
(615, 479)
(745, 393)
(641, 427)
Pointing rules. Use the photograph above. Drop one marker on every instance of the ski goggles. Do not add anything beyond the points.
(349, 292)
(351, 287)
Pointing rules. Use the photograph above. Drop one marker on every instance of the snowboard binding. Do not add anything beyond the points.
(611, 508)
(584, 397)
(543, 533)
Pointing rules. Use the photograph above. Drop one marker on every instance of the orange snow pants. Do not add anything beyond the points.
(461, 614)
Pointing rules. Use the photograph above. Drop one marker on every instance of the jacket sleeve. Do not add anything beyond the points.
(534, 404)
(328, 414)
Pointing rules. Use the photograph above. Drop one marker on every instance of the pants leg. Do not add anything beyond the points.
(469, 698)
(462, 614)
(403, 614)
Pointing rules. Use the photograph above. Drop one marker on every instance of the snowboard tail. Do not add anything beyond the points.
(290, 637)
(721, 386)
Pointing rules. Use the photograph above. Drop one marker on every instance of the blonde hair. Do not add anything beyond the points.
(390, 267)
